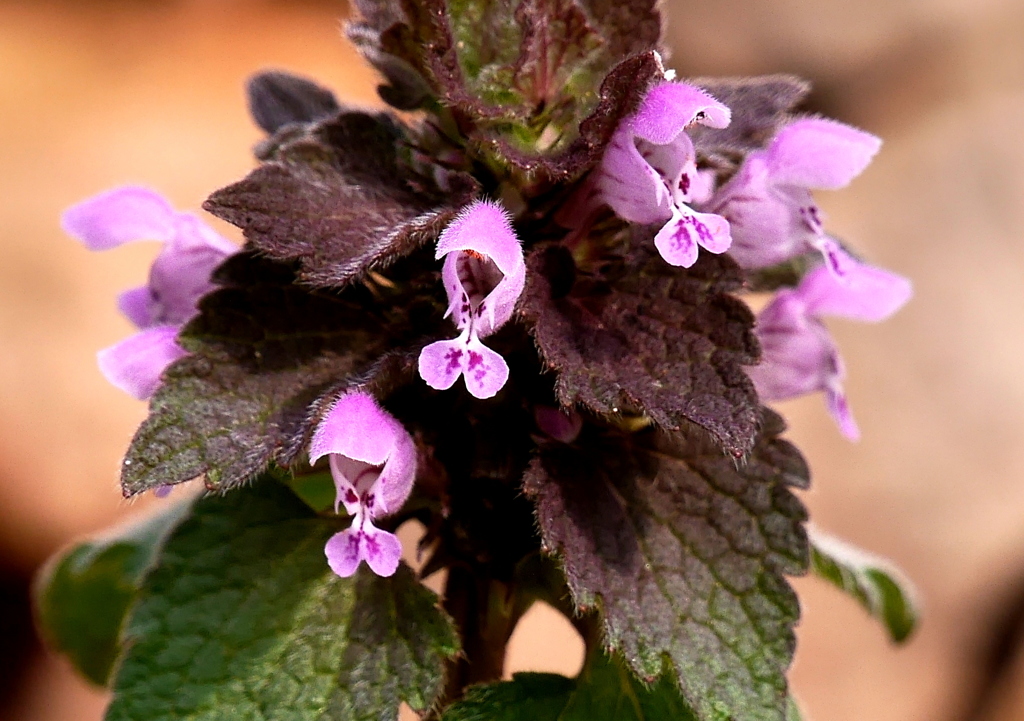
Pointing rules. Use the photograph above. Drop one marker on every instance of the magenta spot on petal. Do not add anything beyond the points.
(812, 217)
(475, 359)
(453, 357)
(351, 497)
(684, 184)
(683, 231)
(368, 501)
(371, 546)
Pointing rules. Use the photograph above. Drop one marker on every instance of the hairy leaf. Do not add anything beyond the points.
(263, 349)
(760, 105)
(683, 552)
(620, 95)
(642, 336)
(83, 595)
(243, 619)
(337, 199)
(533, 79)
(876, 584)
(277, 99)
(604, 691)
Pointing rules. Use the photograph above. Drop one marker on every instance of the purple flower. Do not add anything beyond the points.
(768, 202)
(484, 274)
(649, 172)
(179, 276)
(373, 463)
(798, 354)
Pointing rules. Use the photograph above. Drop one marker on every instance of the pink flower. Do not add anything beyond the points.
(768, 202)
(484, 274)
(798, 354)
(178, 278)
(373, 463)
(649, 172)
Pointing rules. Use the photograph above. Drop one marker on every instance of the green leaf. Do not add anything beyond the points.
(243, 619)
(605, 690)
(83, 595)
(876, 584)
(683, 553)
(793, 711)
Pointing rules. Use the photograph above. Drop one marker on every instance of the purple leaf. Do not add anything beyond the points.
(683, 553)
(338, 200)
(643, 337)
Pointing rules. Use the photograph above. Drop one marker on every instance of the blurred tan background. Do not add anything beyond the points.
(93, 95)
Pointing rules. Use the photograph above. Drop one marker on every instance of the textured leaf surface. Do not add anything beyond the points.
(604, 691)
(263, 350)
(526, 75)
(620, 95)
(244, 620)
(336, 198)
(759, 105)
(83, 596)
(683, 552)
(643, 336)
(876, 584)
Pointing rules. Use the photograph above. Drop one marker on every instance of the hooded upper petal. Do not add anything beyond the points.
(819, 153)
(358, 428)
(119, 216)
(484, 268)
(371, 454)
(668, 108)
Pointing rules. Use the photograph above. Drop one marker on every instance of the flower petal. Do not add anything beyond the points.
(120, 216)
(397, 477)
(180, 275)
(381, 550)
(668, 108)
(358, 428)
(818, 153)
(135, 364)
(863, 292)
(798, 355)
(628, 183)
(485, 371)
(441, 363)
(345, 473)
(343, 552)
(679, 238)
(839, 409)
(136, 304)
(484, 227)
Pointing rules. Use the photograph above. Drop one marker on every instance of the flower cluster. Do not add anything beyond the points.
(557, 221)
(763, 216)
